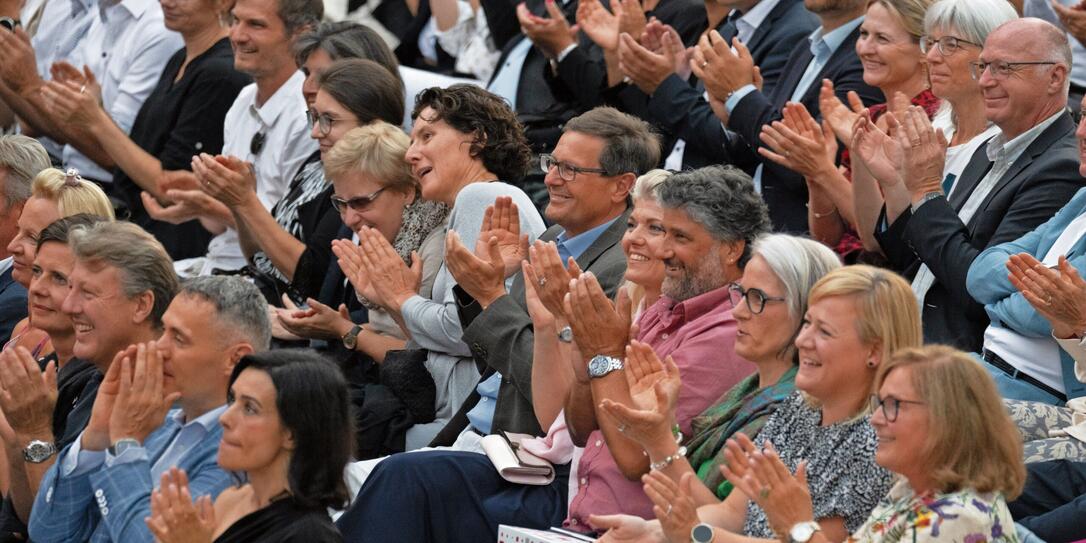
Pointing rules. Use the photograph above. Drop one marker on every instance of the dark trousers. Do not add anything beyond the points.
(446, 497)
(1053, 503)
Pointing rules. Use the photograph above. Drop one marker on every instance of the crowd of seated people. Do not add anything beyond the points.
(733, 270)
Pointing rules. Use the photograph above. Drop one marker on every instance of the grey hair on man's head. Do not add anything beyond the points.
(239, 305)
(299, 14)
(630, 145)
(142, 261)
(798, 264)
(645, 187)
(722, 200)
(970, 20)
(22, 158)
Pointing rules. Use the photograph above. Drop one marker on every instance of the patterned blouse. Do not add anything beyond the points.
(960, 517)
(844, 479)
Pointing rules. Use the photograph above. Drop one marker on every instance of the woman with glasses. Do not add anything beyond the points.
(290, 246)
(856, 318)
(954, 33)
(769, 303)
(889, 49)
(465, 143)
(943, 430)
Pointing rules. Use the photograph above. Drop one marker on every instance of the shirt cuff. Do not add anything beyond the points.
(128, 456)
(565, 52)
(738, 95)
(77, 461)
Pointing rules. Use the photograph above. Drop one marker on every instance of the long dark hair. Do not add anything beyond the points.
(311, 396)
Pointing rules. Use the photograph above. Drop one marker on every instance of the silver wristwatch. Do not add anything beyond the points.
(601, 365)
(38, 451)
(802, 532)
(565, 335)
(122, 445)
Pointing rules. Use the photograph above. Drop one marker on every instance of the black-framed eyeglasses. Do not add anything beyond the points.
(1000, 69)
(357, 204)
(947, 45)
(323, 121)
(567, 171)
(890, 406)
(756, 298)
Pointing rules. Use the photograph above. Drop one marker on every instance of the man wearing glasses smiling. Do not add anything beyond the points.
(1014, 182)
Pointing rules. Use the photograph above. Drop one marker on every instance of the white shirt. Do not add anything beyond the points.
(126, 47)
(287, 144)
(60, 34)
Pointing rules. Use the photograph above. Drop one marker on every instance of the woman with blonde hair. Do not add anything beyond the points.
(856, 318)
(54, 194)
(953, 484)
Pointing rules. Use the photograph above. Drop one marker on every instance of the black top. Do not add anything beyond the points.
(178, 120)
(282, 521)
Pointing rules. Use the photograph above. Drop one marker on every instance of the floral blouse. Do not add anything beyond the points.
(960, 517)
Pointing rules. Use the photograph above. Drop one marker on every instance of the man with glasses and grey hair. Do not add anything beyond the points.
(1016, 181)
(21, 158)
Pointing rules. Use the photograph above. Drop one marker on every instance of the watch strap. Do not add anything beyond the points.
(122, 445)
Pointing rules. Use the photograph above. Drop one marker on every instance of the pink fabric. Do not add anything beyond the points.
(699, 334)
(556, 447)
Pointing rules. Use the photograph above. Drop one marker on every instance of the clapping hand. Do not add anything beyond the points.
(627, 529)
(27, 394)
(601, 26)
(225, 178)
(785, 498)
(318, 321)
(601, 327)
(654, 391)
(924, 150)
(841, 118)
(142, 402)
(96, 435)
(673, 503)
(878, 152)
(722, 70)
(393, 281)
(1058, 295)
(174, 517)
(75, 101)
(18, 68)
(551, 34)
(799, 143)
(647, 69)
(349, 258)
(548, 277)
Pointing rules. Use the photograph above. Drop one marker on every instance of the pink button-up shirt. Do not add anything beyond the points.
(699, 334)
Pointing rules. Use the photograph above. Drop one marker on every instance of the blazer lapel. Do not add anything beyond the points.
(972, 174)
(767, 24)
(1044, 141)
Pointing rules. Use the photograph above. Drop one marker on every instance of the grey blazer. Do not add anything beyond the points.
(501, 337)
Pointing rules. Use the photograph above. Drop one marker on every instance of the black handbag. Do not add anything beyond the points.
(404, 373)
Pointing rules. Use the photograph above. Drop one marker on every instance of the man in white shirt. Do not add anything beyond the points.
(266, 126)
(125, 47)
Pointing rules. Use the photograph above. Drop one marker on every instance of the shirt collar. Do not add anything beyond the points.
(701, 304)
(134, 7)
(834, 38)
(1009, 151)
(207, 420)
(581, 242)
(757, 14)
(283, 97)
(5, 264)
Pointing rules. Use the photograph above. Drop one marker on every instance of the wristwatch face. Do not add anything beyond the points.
(351, 338)
(601, 365)
(702, 533)
(803, 531)
(8, 23)
(37, 452)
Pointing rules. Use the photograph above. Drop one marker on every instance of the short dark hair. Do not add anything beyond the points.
(346, 39)
(499, 137)
(631, 145)
(312, 400)
(58, 230)
(298, 14)
(722, 199)
(366, 89)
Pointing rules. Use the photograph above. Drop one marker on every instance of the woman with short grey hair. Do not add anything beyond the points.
(768, 303)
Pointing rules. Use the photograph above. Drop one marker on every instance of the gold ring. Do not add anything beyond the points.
(764, 493)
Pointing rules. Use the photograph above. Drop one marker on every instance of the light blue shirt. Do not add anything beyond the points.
(78, 461)
(481, 416)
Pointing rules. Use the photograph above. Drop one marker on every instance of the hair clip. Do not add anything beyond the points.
(72, 177)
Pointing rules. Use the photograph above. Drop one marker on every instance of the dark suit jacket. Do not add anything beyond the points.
(12, 305)
(681, 111)
(501, 337)
(784, 190)
(1036, 186)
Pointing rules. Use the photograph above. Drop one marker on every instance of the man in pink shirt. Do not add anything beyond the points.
(711, 216)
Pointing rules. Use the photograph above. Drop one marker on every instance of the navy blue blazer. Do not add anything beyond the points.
(12, 305)
(1037, 185)
(784, 190)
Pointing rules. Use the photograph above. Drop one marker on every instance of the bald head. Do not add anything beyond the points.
(1040, 39)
